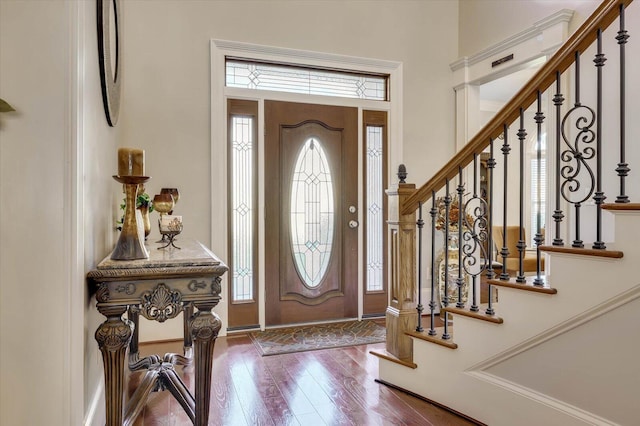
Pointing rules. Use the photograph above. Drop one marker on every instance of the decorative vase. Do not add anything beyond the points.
(145, 220)
(130, 244)
(451, 264)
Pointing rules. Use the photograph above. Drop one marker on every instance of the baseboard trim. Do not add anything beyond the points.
(437, 404)
(155, 342)
(243, 328)
(561, 406)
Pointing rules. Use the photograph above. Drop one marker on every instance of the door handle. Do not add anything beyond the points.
(353, 224)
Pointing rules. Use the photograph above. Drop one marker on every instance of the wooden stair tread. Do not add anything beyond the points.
(528, 285)
(621, 206)
(477, 315)
(615, 254)
(437, 339)
(390, 357)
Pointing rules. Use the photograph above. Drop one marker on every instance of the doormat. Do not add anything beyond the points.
(320, 336)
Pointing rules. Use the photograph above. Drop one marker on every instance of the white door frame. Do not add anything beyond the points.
(220, 49)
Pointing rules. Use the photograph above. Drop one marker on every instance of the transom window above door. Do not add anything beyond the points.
(310, 81)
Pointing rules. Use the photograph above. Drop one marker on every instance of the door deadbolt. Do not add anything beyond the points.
(352, 209)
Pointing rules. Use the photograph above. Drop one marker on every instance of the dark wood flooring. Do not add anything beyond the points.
(325, 387)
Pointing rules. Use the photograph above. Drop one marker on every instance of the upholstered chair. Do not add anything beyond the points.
(513, 235)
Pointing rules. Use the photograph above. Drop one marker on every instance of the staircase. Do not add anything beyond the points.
(560, 346)
(557, 359)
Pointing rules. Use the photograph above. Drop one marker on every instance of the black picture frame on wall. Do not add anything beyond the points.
(110, 61)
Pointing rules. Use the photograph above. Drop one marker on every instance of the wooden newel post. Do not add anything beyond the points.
(401, 313)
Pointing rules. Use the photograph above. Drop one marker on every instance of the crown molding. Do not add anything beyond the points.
(562, 16)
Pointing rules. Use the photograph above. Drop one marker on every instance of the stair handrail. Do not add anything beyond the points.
(601, 18)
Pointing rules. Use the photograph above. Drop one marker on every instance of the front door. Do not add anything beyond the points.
(311, 194)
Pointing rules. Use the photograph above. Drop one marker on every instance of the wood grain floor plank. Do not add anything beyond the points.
(351, 385)
(327, 387)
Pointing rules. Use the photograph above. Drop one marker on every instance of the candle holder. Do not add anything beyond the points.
(163, 204)
(174, 193)
(130, 245)
(171, 234)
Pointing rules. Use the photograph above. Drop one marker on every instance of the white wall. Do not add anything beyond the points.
(58, 200)
(167, 83)
(34, 324)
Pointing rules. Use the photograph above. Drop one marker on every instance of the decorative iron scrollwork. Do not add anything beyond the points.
(161, 304)
(578, 176)
(474, 236)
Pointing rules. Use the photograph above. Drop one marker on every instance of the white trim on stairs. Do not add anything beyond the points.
(541, 398)
(570, 324)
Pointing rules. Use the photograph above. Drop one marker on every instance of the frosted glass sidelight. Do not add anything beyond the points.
(242, 209)
(312, 213)
(375, 213)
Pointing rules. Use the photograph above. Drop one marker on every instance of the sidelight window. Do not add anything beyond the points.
(242, 200)
(375, 207)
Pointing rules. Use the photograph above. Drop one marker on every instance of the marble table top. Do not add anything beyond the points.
(191, 252)
(192, 256)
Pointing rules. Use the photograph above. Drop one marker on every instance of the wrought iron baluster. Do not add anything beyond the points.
(460, 281)
(420, 308)
(576, 155)
(491, 164)
(623, 168)
(521, 245)
(432, 302)
(445, 299)
(504, 252)
(474, 237)
(539, 118)
(599, 196)
(558, 99)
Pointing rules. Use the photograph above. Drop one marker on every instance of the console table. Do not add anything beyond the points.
(159, 288)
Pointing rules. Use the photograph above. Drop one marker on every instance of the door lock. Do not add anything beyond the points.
(353, 224)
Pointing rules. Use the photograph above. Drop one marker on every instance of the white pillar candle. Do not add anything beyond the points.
(130, 162)
(170, 223)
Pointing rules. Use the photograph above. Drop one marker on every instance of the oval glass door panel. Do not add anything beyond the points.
(312, 213)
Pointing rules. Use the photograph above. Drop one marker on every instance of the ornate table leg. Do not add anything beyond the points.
(204, 327)
(113, 336)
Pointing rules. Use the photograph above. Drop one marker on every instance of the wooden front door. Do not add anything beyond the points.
(311, 194)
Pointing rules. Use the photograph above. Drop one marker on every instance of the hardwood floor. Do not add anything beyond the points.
(325, 387)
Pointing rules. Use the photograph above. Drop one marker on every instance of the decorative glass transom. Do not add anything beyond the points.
(294, 79)
(312, 213)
